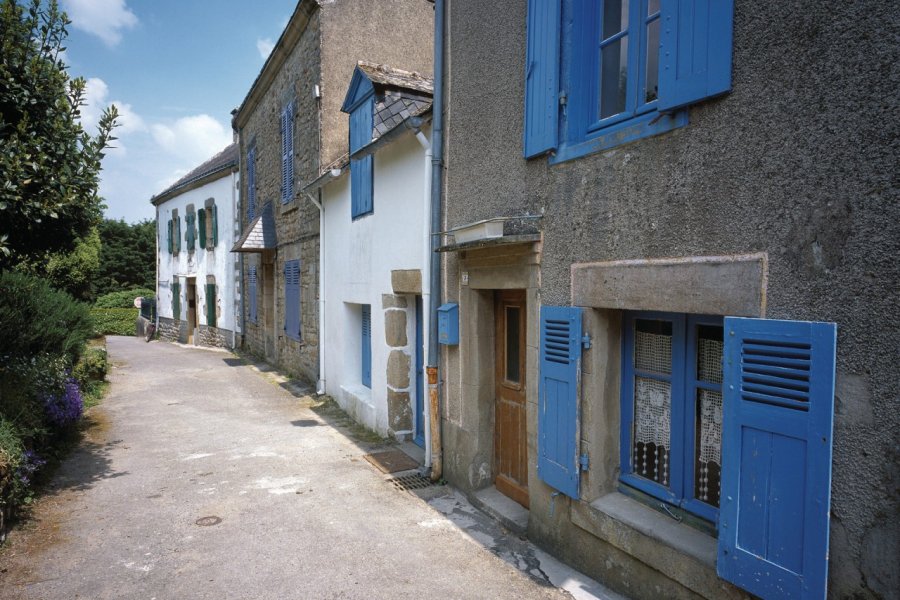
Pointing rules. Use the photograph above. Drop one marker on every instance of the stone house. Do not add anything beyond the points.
(291, 129)
(676, 361)
(375, 240)
(197, 276)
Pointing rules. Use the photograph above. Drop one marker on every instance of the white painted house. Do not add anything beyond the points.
(197, 276)
(374, 257)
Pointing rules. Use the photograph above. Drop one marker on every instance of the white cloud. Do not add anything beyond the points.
(96, 99)
(193, 139)
(265, 47)
(104, 18)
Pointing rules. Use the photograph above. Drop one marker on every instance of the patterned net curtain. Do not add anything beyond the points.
(708, 445)
(652, 400)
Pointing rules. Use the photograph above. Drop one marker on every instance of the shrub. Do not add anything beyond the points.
(114, 321)
(92, 367)
(123, 299)
(36, 319)
(64, 407)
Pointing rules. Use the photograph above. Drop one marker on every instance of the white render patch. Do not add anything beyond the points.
(279, 485)
(196, 456)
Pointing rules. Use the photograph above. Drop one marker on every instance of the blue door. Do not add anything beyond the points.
(420, 379)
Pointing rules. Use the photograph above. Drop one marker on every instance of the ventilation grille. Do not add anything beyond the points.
(776, 373)
(556, 341)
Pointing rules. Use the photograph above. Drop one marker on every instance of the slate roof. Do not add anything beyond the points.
(260, 234)
(399, 95)
(223, 162)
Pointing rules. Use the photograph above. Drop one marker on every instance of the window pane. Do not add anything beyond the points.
(709, 353)
(615, 17)
(652, 422)
(512, 344)
(613, 77)
(653, 346)
(708, 446)
(651, 78)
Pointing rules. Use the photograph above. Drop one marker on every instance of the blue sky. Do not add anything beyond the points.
(175, 69)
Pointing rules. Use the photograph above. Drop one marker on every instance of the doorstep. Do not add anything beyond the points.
(507, 511)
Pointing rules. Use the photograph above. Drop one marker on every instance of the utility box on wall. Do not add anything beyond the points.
(448, 324)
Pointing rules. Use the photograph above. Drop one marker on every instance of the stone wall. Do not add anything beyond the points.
(798, 163)
(399, 365)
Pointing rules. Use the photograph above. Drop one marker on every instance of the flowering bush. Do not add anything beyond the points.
(28, 466)
(64, 408)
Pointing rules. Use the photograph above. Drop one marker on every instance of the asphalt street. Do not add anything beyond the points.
(202, 476)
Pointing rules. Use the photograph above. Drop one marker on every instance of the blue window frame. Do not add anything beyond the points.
(251, 184)
(287, 153)
(292, 299)
(600, 73)
(251, 295)
(366, 345)
(361, 169)
(671, 432)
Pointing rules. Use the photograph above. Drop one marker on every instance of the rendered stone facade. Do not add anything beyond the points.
(796, 164)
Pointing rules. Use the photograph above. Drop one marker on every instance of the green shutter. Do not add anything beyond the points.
(176, 301)
(201, 228)
(169, 235)
(215, 225)
(177, 235)
(211, 304)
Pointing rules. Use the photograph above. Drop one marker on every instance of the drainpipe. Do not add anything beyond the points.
(437, 156)
(426, 292)
(156, 300)
(320, 384)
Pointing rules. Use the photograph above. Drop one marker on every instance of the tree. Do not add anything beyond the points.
(127, 256)
(72, 272)
(49, 166)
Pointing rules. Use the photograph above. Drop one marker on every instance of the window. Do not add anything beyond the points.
(251, 183)
(361, 169)
(208, 225)
(251, 295)
(601, 73)
(287, 153)
(292, 299)
(366, 345)
(729, 418)
(672, 409)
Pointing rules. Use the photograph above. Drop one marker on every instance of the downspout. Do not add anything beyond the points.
(426, 277)
(320, 384)
(238, 216)
(437, 156)
(239, 286)
(156, 300)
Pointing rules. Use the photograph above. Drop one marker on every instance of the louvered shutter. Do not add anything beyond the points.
(366, 336)
(251, 184)
(542, 77)
(776, 449)
(201, 228)
(176, 300)
(361, 174)
(215, 225)
(287, 154)
(251, 293)
(177, 235)
(292, 298)
(558, 412)
(211, 304)
(169, 235)
(695, 51)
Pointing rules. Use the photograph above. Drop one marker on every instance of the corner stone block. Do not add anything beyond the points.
(406, 281)
(399, 410)
(395, 328)
(391, 301)
(398, 369)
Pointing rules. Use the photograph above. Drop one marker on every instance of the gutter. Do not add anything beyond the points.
(434, 284)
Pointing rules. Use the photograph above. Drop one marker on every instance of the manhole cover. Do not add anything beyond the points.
(411, 482)
(208, 521)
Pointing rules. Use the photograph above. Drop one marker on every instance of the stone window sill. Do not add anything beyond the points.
(679, 551)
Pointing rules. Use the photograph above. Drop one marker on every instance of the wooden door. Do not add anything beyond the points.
(510, 440)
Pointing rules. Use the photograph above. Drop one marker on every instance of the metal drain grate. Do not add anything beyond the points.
(411, 482)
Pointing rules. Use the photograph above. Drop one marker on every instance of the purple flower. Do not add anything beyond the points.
(31, 462)
(65, 408)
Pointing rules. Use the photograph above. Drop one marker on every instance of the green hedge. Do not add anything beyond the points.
(114, 321)
(124, 299)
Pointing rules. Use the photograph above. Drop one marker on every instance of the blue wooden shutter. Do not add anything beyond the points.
(251, 184)
(558, 391)
(695, 51)
(201, 228)
(287, 154)
(361, 175)
(366, 336)
(776, 449)
(251, 293)
(292, 298)
(215, 225)
(542, 76)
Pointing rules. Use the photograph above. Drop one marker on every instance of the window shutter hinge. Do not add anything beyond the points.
(586, 341)
(585, 462)
(563, 97)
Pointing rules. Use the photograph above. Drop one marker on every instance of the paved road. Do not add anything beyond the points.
(292, 510)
